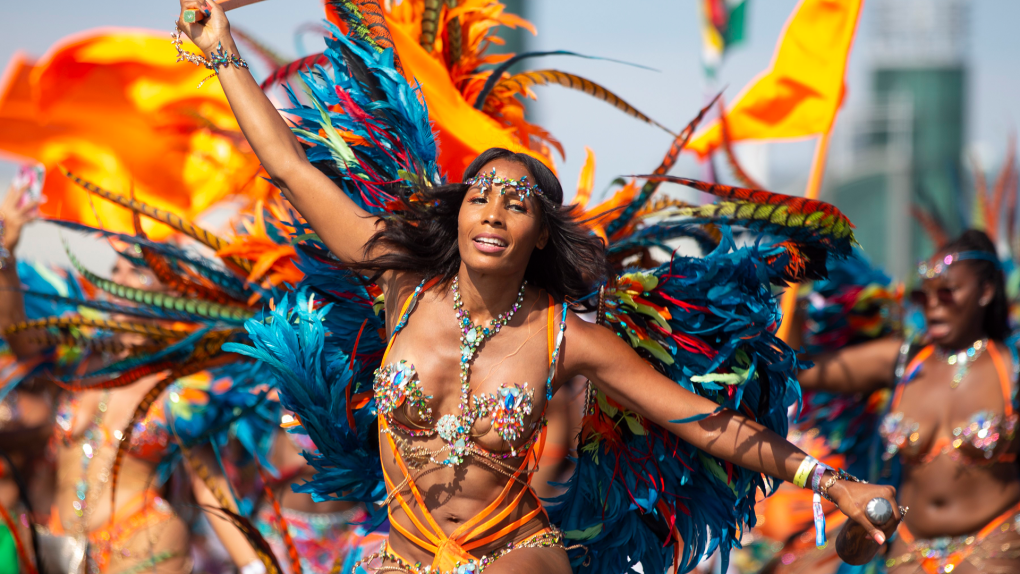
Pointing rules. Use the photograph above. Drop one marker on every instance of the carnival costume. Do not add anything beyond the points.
(854, 304)
(204, 397)
(878, 439)
(639, 495)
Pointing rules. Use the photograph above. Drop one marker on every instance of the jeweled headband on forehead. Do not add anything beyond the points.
(932, 269)
(523, 187)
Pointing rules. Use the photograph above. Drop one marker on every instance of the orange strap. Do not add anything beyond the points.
(961, 555)
(434, 533)
(1000, 367)
(466, 534)
(942, 443)
(921, 357)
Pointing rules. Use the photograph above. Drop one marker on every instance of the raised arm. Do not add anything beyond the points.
(13, 216)
(343, 226)
(613, 366)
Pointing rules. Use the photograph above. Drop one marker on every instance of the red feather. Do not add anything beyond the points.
(283, 72)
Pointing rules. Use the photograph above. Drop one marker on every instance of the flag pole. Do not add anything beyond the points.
(814, 187)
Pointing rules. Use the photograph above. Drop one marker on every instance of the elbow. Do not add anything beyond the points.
(285, 171)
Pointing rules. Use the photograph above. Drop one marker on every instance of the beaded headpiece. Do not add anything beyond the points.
(932, 269)
(522, 186)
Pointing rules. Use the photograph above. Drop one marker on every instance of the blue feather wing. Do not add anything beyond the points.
(709, 324)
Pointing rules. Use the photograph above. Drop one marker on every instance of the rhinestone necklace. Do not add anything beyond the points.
(93, 439)
(963, 359)
(454, 429)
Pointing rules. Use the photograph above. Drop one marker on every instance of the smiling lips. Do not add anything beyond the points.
(488, 243)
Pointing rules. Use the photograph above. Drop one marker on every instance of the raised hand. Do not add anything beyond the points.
(15, 213)
(211, 31)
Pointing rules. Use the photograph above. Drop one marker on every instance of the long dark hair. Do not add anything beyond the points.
(996, 320)
(422, 236)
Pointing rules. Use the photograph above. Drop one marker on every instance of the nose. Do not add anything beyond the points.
(495, 215)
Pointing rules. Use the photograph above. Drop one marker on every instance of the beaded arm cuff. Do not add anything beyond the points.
(218, 59)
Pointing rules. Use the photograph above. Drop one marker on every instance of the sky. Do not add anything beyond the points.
(660, 34)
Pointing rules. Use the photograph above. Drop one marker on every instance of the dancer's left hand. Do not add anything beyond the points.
(15, 213)
(853, 497)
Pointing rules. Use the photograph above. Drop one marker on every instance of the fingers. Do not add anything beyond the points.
(14, 193)
(29, 211)
(850, 508)
(890, 495)
(186, 22)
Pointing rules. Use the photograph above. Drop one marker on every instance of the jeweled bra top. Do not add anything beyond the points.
(397, 386)
(981, 434)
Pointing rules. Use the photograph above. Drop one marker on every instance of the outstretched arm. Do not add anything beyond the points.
(617, 370)
(343, 226)
(859, 368)
(855, 369)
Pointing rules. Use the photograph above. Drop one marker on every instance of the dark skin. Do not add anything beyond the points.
(490, 276)
(136, 475)
(945, 497)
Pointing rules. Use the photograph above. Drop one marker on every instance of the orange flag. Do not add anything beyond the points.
(800, 93)
(114, 107)
(463, 131)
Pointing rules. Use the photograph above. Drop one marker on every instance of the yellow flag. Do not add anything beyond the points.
(800, 93)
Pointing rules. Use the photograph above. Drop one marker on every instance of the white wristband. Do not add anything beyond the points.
(254, 567)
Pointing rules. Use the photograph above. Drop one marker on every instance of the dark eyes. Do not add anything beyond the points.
(512, 205)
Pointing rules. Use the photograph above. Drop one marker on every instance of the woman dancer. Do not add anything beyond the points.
(952, 418)
(458, 483)
(145, 532)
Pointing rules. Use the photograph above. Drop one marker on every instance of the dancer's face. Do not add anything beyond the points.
(128, 275)
(955, 303)
(497, 233)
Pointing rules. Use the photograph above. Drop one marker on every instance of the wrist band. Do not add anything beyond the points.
(819, 519)
(253, 567)
(804, 471)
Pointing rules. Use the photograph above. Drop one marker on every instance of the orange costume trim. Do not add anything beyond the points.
(942, 555)
(144, 510)
(454, 550)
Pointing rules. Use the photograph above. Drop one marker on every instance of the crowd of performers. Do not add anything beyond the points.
(416, 356)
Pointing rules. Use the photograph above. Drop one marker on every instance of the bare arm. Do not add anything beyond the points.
(343, 226)
(618, 371)
(12, 303)
(855, 369)
(859, 368)
(237, 546)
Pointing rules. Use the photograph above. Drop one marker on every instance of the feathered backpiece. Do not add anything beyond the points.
(857, 303)
(445, 45)
(202, 394)
(368, 126)
(707, 322)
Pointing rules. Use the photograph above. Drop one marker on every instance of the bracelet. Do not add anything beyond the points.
(824, 490)
(5, 254)
(218, 59)
(804, 471)
(816, 477)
